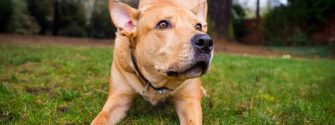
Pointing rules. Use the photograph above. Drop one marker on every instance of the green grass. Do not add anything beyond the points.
(68, 85)
(326, 51)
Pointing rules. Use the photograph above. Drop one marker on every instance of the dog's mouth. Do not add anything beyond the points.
(195, 70)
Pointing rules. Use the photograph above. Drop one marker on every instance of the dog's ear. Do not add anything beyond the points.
(200, 10)
(124, 17)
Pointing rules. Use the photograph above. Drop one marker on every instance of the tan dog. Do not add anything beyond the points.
(160, 51)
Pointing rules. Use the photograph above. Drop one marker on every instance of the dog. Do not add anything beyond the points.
(161, 49)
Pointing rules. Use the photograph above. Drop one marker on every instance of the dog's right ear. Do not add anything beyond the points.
(124, 17)
(200, 10)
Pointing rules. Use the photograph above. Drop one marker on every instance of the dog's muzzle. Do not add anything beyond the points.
(203, 46)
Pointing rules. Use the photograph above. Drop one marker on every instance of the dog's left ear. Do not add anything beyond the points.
(200, 10)
(124, 17)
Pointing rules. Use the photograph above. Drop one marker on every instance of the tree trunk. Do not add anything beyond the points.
(56, 17)
(219, 14)
(257, 13)
(92, 20)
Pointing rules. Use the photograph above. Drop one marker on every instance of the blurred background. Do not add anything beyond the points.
(250, 22)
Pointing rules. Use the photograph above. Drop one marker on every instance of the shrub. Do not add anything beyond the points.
(292, 24)
(20, 20)
(6, 9)
(238, 15)
(73, 30)
(41, 10)
(101, 24)
(72, 21)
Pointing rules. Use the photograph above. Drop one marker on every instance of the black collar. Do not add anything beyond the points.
(160, 90)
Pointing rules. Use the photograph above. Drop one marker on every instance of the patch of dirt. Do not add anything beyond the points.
(63, 109)
(241, 49)
(244, 107)
(54, 41)
(6, 116)
(220, 45)
(37, 90)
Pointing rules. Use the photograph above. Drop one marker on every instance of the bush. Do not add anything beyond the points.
(6, 9)
(238, 15)
(299, 39)
(72, 21)
(73, 30)
(101, 25)
(20, 20)
(276, 27)
(292, 24)
(41, 10)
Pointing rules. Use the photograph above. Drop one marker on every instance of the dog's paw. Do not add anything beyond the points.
(204, 92)
(101, 119)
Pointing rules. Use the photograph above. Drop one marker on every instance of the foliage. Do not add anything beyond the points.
(41, 10)
(101, 25)
(292, 24)
(20, 20)
(238, 16)
(64, 85)
(76, 18)
(73, 29)
(6, 9)
(72, 21)
(219, 13)
(210, 25)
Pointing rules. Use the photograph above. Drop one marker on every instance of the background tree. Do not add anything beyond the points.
(21, 22)
(41, 10)
(219, 13)
(5, 14)
(100, 24)
(56, 16)
(294, 23)
(238, 15)
(258, 16)
(72, 21)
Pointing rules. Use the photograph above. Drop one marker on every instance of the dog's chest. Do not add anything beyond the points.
(153, 97)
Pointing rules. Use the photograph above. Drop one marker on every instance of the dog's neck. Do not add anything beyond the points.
(160, 90)
(147, 83)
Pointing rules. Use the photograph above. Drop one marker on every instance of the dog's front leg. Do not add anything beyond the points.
(119, 101)
(188, 104)
(189, 112)
(114, 109)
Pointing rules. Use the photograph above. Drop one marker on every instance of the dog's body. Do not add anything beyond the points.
(164, 41)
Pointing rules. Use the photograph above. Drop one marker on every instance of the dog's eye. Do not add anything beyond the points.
(163, 24)
(198, 27)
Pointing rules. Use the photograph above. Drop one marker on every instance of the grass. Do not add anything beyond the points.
(68, 85)
(326, 51)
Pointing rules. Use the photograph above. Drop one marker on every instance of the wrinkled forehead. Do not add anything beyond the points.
(157, 13)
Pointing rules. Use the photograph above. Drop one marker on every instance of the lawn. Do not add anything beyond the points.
(68, 85)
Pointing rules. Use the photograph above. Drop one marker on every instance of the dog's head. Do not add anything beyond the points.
(169, 40)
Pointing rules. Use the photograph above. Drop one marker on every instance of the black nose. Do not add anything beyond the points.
(202, 43)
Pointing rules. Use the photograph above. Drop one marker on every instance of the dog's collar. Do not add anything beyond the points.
(160, 90)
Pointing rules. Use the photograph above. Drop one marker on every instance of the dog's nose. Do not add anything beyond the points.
(202, 43)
